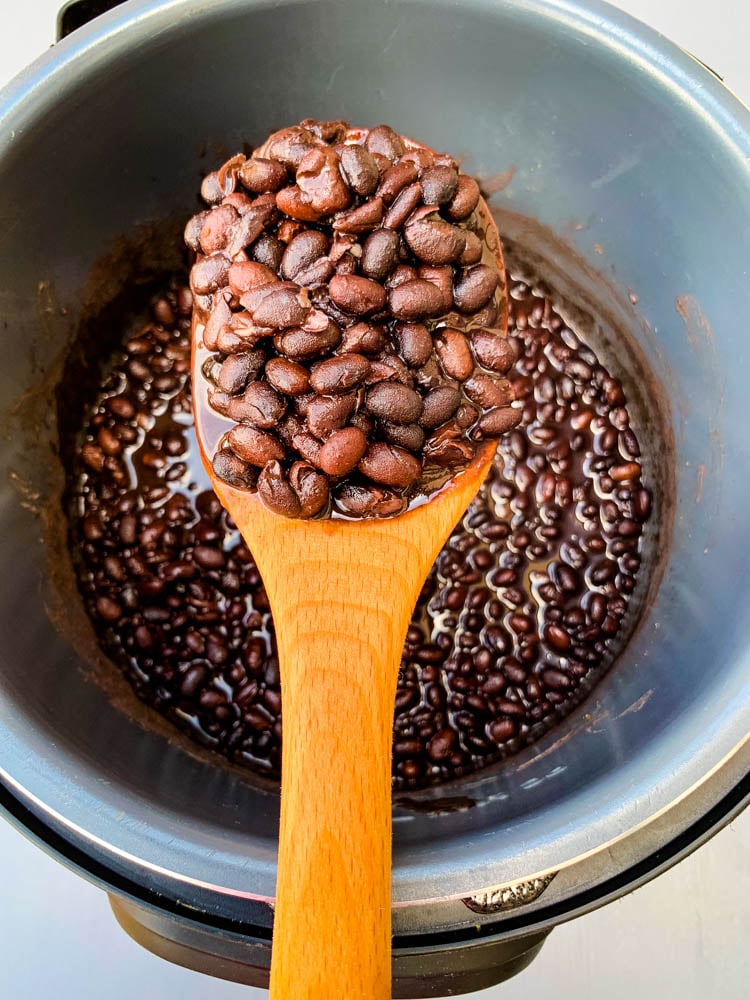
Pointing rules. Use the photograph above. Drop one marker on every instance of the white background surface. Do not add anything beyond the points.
(683, 936)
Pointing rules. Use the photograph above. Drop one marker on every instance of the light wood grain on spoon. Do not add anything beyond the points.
(342, 595)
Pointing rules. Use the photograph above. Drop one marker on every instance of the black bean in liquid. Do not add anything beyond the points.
(517, 620)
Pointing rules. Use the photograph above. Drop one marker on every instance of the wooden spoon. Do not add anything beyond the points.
(342, 595)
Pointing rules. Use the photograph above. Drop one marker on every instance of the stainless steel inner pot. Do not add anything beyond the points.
(626, 169)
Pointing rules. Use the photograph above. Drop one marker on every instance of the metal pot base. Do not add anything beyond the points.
(417, 972)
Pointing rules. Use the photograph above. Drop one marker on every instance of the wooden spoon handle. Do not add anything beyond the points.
(342, 598)
(340, 641)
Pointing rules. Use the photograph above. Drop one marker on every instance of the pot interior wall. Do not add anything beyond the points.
(650, 195)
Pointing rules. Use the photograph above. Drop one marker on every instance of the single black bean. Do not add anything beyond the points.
(392, 401)
(287, 376)
(276, 492)
(439, 184)
(396, 178)
(311, 488)
(320, 181)
(380, 254)
(475, 287)
(356, 295)
(338, 375)
(488, 390)
(362, 219)
(415, 300)
(260, 175)
(414, 343)
(465, 200)
(358, 500)
(362, 338)
(390, 465)
(409, 436)
(260, 405)
(237, 370)
(326, 414)
(454, 355)
(473, 250)
(342, 452)
(304, 249)
(283, 307)
(439, 405)
(433, 240)
(442, 278)
(382, 139)
(209, 274)
(406, 202)
(498, 421)
(255, 446)
(269, 251)
(317, 337)
(360, 170)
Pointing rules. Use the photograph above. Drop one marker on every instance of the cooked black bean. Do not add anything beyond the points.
(276, 491)
(255, 446)
(415, 300)
(268, 250)
(434, 240)
(368, 501)
(465, 200)
(396, 178)
(260, 405)
(414, 343)
(362, 219)
(492, 350)
(310, 341)
(380, 254)
(390, 465)
(283, 307)
(402, 207)
(326, 414)
(287, 376)
(342, 451)
(382, 139)
(474, 288)
(488, 390)
(319, 179)
(409, 436)
(362, 338)
(338, 375)
(209, 273)
(248, 227)
(237, 370)
(495, 423)
(360, 170)
(392, 401)
(356, 295)
(439, 184)
(259, 175)
(304, 249)
(311, 488)
(442, 277)
(454, 355)
(215, 228)
(439, 405)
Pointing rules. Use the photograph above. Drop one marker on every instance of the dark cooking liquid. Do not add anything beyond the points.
(519, 617)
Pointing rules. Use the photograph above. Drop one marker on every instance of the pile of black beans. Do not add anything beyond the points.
(353, 320)
(521, 614)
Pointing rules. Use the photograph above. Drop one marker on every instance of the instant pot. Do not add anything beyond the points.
(621, 166)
